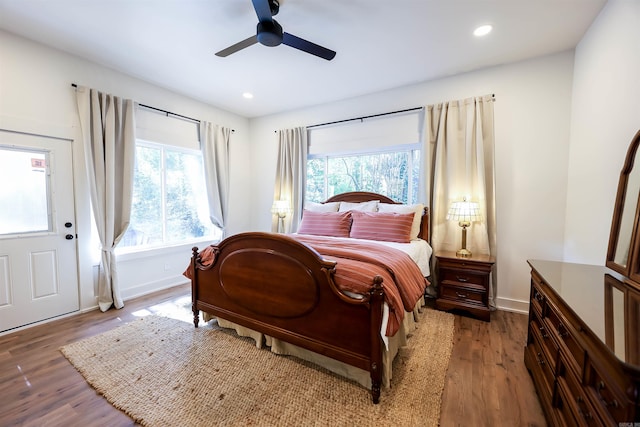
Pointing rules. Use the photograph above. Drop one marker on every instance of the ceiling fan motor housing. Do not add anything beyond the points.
(269, 33)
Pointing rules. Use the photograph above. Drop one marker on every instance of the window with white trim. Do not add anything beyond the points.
(169, 203)
(393, 173)
(379, 155)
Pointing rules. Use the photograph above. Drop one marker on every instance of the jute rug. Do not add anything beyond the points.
(164, 372)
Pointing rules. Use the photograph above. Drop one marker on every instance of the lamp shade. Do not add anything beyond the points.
(464, 212)
(281, 208)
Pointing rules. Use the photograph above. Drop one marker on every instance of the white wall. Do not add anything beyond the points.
(562, 129)
(605, 116)
(36, 97)
(532, 116)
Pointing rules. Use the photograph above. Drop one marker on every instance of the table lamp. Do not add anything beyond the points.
(465, 213)
(282, 209)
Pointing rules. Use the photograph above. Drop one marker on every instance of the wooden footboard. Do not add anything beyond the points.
(278, 286)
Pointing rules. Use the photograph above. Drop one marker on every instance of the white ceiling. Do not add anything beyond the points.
(380, 44)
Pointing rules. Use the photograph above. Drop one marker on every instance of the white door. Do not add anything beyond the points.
(38, 264)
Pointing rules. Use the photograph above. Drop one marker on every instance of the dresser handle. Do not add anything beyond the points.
(459, 295)
(539, 297)
(462, 279)
(614, 402)
(562, 331)
(586, 415)
(540, 359)
(543, 331)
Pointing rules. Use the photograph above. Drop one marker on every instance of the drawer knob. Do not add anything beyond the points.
(562, 330)
(543, 331)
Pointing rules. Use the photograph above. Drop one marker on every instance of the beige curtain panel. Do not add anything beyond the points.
(291, 175)
(214, 144)
(108, 131)
(458, 162)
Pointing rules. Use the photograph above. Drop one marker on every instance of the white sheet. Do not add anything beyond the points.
(419, 250)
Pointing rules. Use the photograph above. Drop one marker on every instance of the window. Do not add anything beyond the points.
(169, 201)
(24, 205)
(391, 172)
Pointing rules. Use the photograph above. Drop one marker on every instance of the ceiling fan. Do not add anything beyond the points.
(269, 33)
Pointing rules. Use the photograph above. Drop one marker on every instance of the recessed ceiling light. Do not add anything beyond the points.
(247, 95)
(482, 30)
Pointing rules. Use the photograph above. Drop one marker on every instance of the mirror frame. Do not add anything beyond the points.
(632, 268)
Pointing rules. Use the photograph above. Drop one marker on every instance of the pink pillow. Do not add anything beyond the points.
(385, 226)
(334, 224)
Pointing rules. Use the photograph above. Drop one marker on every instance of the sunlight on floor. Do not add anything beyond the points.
(179, 309)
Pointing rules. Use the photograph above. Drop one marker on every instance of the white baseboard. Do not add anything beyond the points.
(150, 287)
(513, 305)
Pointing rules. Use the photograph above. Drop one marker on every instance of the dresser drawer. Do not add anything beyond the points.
(537, 298)
(565, 335)
(576, 399)
(463, 276)
(608, 399)
(544, 338)
(562, 406)
(540, 358)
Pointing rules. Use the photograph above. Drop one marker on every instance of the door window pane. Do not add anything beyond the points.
(24, 195)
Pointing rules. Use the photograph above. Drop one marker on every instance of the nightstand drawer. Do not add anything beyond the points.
(462, 294)
(463, 277)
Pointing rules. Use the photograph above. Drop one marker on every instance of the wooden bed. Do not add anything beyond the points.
(273, 284)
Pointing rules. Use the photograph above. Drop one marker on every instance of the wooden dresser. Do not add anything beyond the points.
(582, 345)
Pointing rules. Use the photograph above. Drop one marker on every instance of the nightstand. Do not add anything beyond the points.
(463, 283)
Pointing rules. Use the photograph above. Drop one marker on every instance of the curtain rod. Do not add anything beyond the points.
(164, 111)
(365, 117)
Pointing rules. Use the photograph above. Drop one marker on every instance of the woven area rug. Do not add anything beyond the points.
(164, 372)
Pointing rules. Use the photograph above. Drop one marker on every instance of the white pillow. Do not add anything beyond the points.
(322, 207)
(371, 206)
(403, 209)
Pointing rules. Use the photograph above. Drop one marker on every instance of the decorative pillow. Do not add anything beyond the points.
(417, 219)
(322, 207)
(336, 224)
(385, 226)
(371, 206)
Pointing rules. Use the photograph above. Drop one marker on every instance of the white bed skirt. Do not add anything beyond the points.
(361, 376)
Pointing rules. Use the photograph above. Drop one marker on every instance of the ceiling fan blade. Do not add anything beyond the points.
(262, 10)
(238, 46)
(307, 46)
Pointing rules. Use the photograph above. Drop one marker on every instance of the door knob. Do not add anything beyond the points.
(68, 224)
(69, 237)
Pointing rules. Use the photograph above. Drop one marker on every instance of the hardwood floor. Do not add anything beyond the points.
(487, 383)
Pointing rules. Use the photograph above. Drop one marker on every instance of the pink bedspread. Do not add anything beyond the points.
(358, 262)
